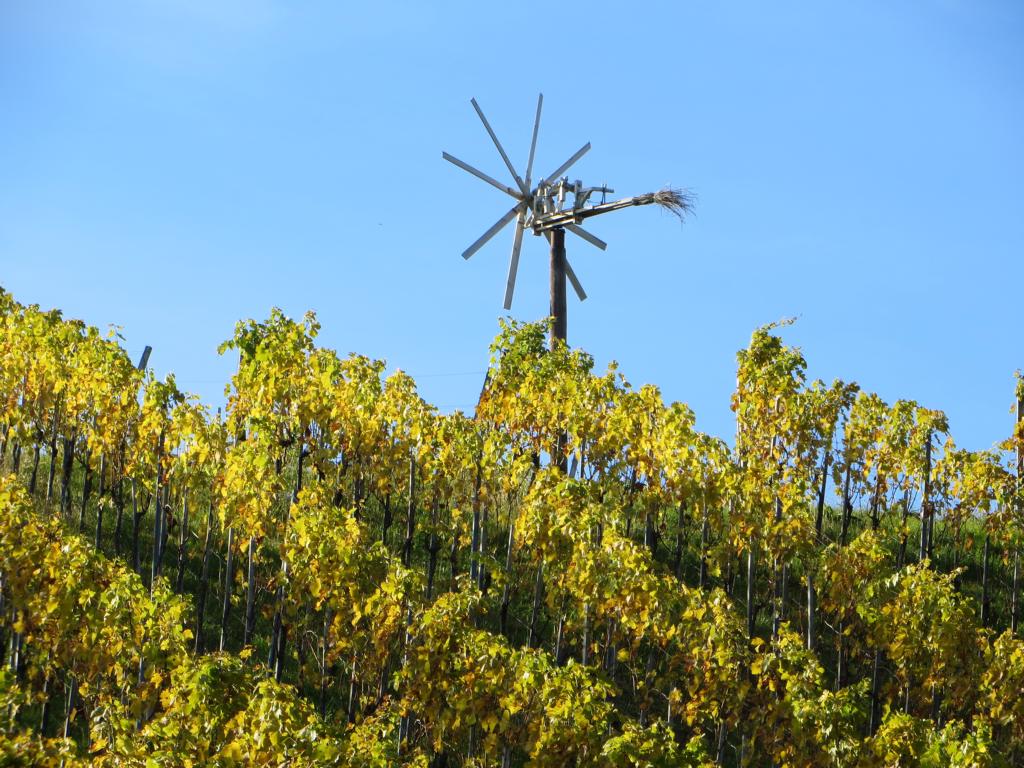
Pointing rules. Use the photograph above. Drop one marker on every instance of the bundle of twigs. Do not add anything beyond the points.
(678, 202)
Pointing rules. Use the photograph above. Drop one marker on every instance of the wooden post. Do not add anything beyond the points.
(229, 569)
(538, 594)
(558, 303)
(37, 449)
(1015, 588)
(812, 596)
(985, 599)
(69, 713)
(705, 541)
(924, 550)
(476, 545)
(158, 516)
(86, 490)
(876, 501)
(506, 596)
(410, 517)
(204, 576)
(44, 712)
(99, 496)
(66, 469)
(386, 523)
(52, 471)
(325, 639)
(778, 581)
(433, 545)
(280, 631)
(677, 558)
(585, 645)
(876, 676)
(250, 594)
(559, 319)
(751, 573)
(483, 576)
(1015, 593)
(901, 557)
(812, 608)
(179, 581)
(117, 492)
(136, 518)
(847, 509)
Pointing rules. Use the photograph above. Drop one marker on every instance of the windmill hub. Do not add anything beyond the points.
(549, 208)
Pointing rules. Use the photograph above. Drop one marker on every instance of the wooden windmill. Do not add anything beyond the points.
(551, 207)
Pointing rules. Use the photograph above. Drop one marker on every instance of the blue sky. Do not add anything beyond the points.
(172, 167)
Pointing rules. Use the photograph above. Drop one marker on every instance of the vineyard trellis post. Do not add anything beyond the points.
(1015, 588)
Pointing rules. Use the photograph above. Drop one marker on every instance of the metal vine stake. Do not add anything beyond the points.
(551, 207)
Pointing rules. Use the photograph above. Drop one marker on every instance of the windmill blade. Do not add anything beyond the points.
(533, 141)
(575, 282)
(495, 228)
(576, 285)
(481, 175)
(568, 163)
(513, 264)
(594, 240)
(501, 149)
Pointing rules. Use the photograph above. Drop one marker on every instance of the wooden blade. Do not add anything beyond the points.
(481, 175)
(533, 141)
(575, 282)
(594, 240)
(501, 149)
(568, 163)
(513, 264)
(495, 229)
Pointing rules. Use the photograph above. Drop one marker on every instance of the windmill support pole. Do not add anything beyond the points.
(558, 303)
(559, 322)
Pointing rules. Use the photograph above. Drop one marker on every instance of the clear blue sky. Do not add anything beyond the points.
(172, 167)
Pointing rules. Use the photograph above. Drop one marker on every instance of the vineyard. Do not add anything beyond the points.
(332, 572)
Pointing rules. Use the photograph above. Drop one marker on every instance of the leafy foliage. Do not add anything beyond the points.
(573, 575)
